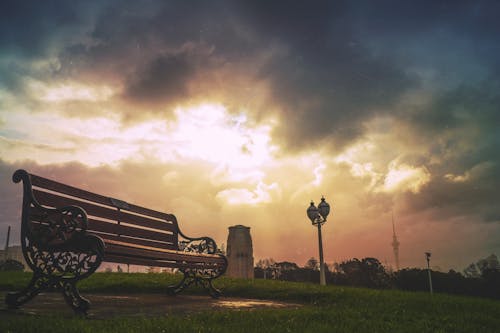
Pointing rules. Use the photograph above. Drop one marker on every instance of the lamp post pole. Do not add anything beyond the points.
(322, 279)
(318, 218)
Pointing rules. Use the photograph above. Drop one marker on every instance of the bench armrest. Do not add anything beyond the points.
(198, 245)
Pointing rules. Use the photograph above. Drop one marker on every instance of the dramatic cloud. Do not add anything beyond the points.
(460, 129)
(229, 112)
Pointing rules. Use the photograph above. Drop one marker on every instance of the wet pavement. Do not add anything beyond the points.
(106, 306)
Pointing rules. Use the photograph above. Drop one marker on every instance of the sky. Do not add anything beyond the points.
(242, 112)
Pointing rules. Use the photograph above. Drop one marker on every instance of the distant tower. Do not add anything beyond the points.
(239, 252)
(395, 244)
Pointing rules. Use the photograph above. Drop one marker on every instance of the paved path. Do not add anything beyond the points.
(105, 306)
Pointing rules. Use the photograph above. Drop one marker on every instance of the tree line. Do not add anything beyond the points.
(479, 279)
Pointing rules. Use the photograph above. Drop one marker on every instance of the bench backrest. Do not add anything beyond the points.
(109, 218)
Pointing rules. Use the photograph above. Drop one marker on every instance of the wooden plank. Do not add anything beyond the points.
(150, 262)
(136, 261)
(135, 241)
(94, 197)
(53, 200)
(37, 216)
(115, 228)
(68, 190)
(117, 248)
(127, 234)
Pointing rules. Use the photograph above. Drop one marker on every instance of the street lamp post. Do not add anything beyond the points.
(428, 257)
(318, 218)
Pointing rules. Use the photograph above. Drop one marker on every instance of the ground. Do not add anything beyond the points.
(110, 305)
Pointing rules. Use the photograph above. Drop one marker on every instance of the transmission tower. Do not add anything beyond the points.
(395, 244)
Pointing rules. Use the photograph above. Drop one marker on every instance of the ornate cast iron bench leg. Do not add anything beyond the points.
(203, 275)
(15, 299)
(60, 255)
(38, 284)
(73, 298)
(56, 247)
(190, 279)
(214, 292)
(177, 288)
(193, 277)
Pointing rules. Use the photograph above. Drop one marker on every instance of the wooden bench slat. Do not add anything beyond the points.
(135, 241)
(36, 216)
(53, 200)
(124, 230)
(146, 262)
(114, 231)
(107, 231)
(90, 196)
(136, 261)
(143, 252)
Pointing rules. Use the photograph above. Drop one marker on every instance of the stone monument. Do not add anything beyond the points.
(239, 252)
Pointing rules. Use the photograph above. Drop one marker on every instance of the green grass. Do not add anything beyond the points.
(325, 309)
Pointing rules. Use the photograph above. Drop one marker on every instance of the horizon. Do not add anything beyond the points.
(229, 113)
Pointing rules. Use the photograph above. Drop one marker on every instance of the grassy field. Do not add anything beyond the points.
(325, 309)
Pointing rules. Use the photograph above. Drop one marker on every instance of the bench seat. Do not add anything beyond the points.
(120, 252)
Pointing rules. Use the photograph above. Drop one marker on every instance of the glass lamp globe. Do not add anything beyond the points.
(312, 212)
(324, 208)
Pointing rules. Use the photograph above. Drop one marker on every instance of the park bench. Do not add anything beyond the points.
(67, 232)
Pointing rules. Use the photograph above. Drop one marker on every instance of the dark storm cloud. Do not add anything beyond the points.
(446, 43)
(463, 124)
(30, 28)
(155, 49)
(34, 30)
(468, 104)
(347, 62)
(476, 18)
(475, 197)
(163, 78)
(461, 129)
(167, 77)
(324, 82)
(330, 65)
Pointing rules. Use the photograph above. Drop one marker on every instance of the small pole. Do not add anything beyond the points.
(5, 253)
(428, 256)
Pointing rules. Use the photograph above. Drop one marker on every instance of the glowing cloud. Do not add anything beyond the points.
(262, 194)
(357, 158)
(207, 132)
(403, 177)
(69, 91)
(457, 178)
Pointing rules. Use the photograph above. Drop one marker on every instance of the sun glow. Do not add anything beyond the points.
(231, 143)
(235, 153)
(210, 133)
